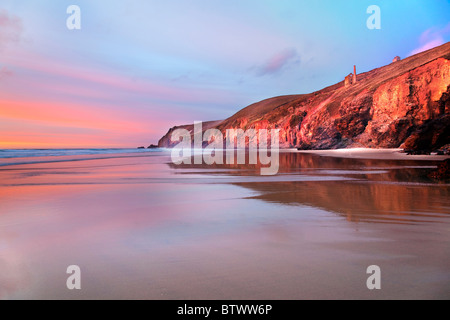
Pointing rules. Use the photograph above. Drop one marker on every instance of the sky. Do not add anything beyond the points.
(138, 67)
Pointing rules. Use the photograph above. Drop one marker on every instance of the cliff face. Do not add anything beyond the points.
(403, 104)
(166, 142)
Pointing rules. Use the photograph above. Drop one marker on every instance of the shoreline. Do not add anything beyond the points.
(350, 153)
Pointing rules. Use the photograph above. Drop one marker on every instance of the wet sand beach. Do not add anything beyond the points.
(141, 227)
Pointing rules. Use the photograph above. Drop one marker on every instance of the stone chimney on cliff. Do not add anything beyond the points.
(351, 78)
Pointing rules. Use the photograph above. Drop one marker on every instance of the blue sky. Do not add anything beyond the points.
(149, 65)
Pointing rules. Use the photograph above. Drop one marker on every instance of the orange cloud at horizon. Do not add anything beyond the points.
(41, 124)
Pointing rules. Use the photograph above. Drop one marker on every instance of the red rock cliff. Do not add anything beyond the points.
(405, 103)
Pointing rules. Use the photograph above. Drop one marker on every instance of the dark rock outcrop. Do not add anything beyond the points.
(430, 136)
(442, 172)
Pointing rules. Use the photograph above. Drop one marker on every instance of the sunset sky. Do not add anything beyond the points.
(137, 68)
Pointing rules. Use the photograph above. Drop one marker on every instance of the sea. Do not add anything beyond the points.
(32, 153)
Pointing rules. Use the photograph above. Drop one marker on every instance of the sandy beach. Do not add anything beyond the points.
(141, 227)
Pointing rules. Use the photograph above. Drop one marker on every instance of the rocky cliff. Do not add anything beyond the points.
(403, 104)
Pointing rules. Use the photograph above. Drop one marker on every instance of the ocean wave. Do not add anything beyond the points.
(33, 153)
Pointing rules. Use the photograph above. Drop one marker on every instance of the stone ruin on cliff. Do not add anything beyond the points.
(351, 78)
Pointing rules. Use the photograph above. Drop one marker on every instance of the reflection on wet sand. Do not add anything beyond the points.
(359, 201)
(389, 191)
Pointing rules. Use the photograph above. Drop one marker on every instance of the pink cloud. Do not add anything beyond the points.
(279, 61)
(428, 45)
(431, 38)
(113, 83)
(10, 28)
(5, 72)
